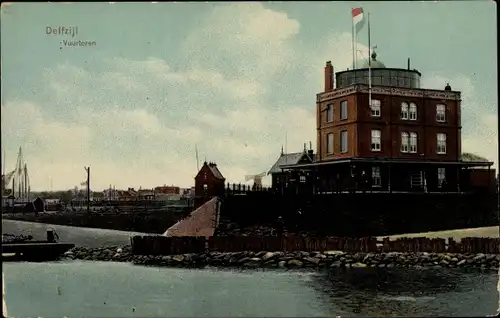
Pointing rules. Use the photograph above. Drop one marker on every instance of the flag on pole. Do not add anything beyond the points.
(358, 19)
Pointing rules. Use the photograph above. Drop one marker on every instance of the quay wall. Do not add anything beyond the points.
(362, 214)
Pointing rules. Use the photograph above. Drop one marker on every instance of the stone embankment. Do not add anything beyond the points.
(327, 259)
(11, 238)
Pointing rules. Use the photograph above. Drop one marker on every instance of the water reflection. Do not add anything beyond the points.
(406, 292)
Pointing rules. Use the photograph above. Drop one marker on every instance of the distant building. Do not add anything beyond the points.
(188, 193)
(208, 183)
(145, 194)
(167, 190)
(126, 195)
(167, 197)
(280, 178)
(97, 196)
(110, 194)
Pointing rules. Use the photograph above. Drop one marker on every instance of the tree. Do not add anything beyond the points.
(66, 196)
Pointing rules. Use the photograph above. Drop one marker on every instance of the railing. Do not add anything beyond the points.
(244, 188)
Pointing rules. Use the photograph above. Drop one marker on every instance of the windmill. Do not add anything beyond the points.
(257, 179)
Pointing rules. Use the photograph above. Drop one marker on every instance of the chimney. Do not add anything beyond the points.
(408, 64)
(328, 76)
(310, 152)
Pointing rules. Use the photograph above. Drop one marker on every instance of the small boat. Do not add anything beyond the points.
(48, 250)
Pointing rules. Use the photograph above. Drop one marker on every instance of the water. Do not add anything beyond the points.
(105, 289)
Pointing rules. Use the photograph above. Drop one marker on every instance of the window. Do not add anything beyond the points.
(205, 187)
(413, 142)
(441, 176)
(375, 108)
(404, 142)
(413, 111)
(329, 143)
(376, 178)
(440, 113)
(343, 141)
(441, 143)
(376, 139)
(302, 179)
(343, 110)
(329, 113)
(205, 176)
(404, 110)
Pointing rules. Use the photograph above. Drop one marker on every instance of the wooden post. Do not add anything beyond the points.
(50, 236)
(88, 189)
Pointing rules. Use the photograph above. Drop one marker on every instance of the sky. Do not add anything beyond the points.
(239, 80)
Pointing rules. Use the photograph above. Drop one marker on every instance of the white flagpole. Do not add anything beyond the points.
(355, 49)
(369, 66)
(353, 41)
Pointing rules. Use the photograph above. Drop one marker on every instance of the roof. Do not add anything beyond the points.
(285, 159)
(215, 171)
(468, 157)
(392, 161)
(374, 62)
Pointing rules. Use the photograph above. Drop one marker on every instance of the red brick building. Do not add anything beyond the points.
(167, 190)
(208, 183)
(408, 139)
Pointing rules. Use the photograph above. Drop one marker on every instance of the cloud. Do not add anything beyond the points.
(136, 122)
(243, 88)
(244, 40)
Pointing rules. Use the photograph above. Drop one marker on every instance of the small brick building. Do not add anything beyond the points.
(208, 183)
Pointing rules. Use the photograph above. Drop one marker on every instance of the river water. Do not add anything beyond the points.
(106, 289)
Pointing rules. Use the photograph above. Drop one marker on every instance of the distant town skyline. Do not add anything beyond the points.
(131, 89)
